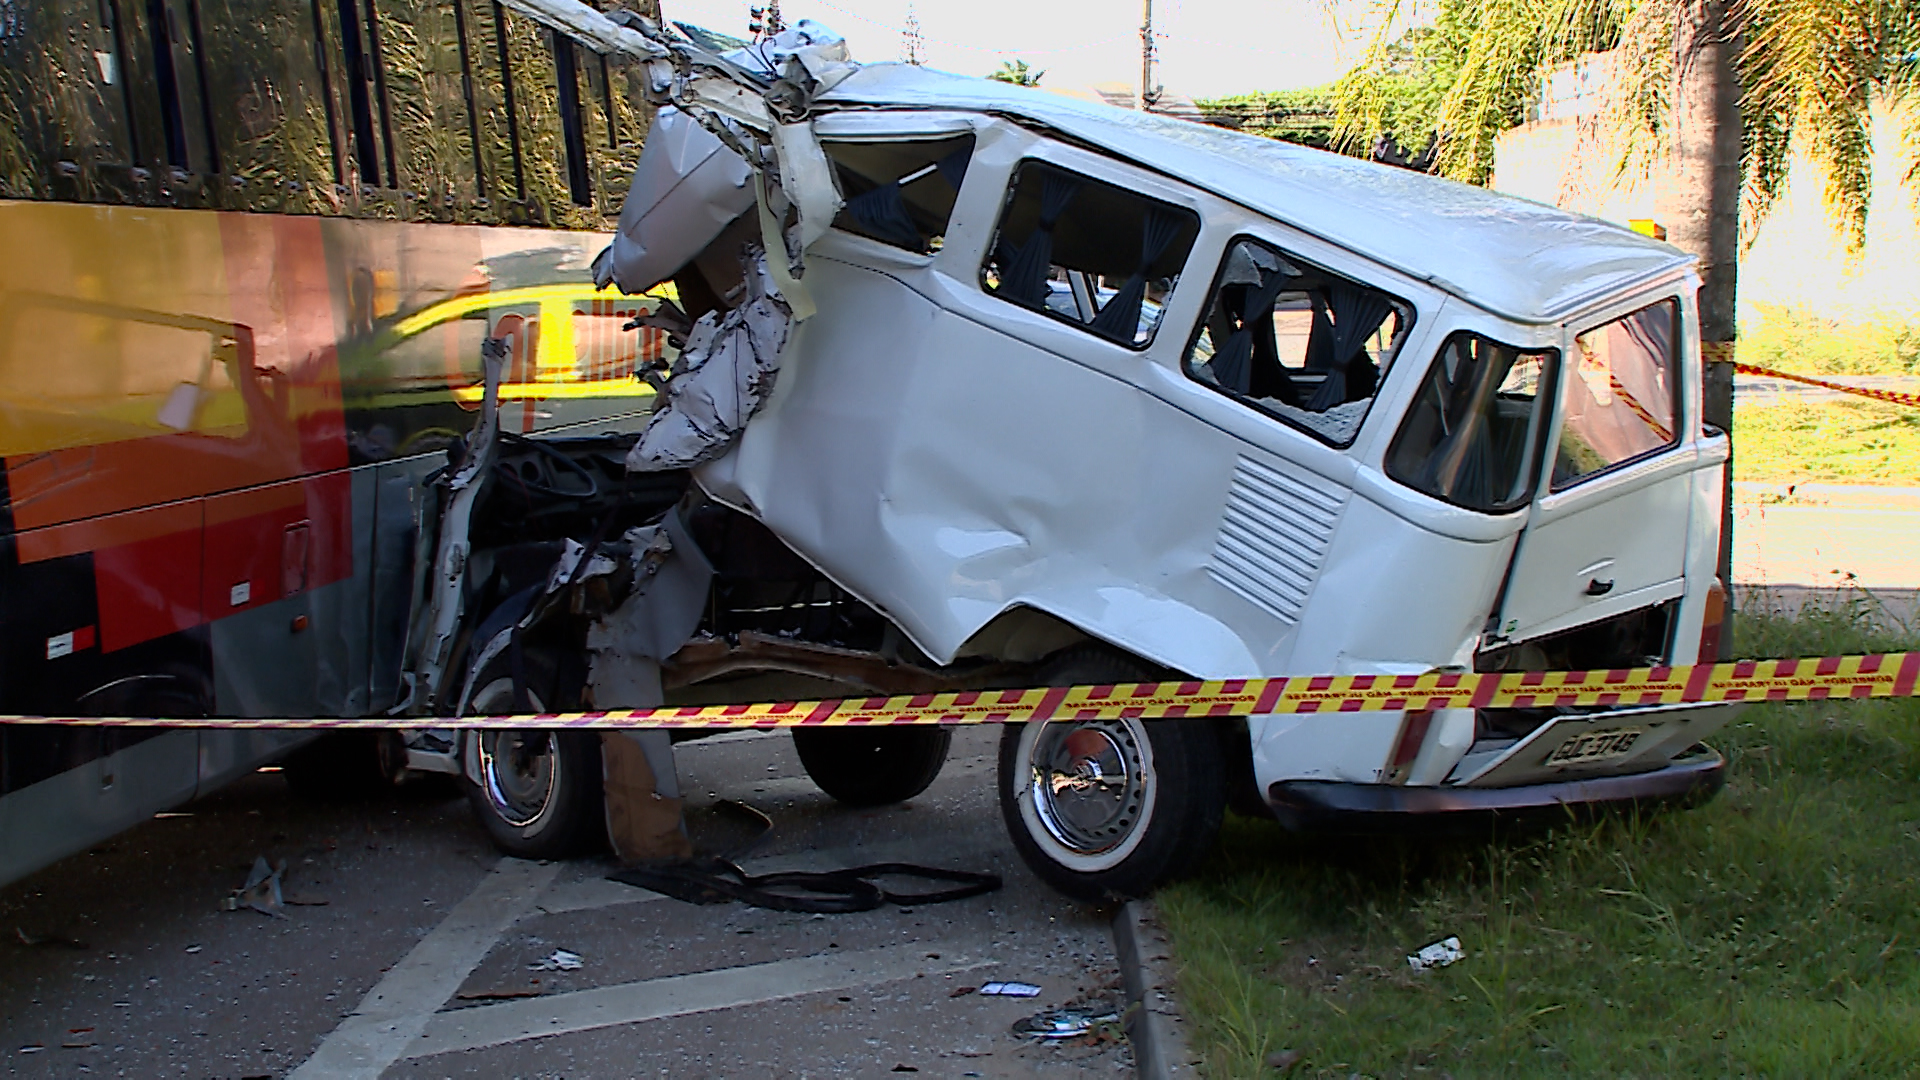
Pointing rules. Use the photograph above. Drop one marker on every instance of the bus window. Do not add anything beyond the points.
(629, 114)
(426, 54)
(541, 141)
(63, 89)
(573, 121)
(269, 101)
(176, 39)
(496, 107)
(365, 91)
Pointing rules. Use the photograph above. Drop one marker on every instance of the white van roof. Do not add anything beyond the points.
(1517, 258)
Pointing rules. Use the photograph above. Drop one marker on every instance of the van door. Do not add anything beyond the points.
(1607, 532)
(954, 432)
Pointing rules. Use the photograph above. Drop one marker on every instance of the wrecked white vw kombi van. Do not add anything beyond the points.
(1039, 392)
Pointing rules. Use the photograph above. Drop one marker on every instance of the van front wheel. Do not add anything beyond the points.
(539, 793)
(1104, 809)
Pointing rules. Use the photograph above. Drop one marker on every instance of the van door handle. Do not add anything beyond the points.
(1596, 587)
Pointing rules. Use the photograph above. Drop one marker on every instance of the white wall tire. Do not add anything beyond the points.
(1085, 807)
(1110, 809)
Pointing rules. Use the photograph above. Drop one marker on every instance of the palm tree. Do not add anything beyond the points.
(1018, 73)
(1717, 89)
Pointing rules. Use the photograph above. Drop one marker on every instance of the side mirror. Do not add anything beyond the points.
(182, 407)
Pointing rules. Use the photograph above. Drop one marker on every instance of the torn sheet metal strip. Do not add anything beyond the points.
(1877, 675)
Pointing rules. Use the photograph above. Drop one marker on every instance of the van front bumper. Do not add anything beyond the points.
(1338, 806)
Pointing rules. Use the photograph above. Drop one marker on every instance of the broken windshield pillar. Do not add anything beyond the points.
(723, 376)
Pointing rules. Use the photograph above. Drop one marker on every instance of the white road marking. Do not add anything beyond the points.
(588, 894)
(395, 1011)
(678, 995)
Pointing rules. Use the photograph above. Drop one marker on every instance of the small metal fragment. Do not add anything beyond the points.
(1068, 1022)
(1009, 989)
(1438, 954)
(560, 960)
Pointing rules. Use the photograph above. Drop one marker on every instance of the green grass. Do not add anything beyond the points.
(1841, 442)
(1773, 932)
(1805, 343)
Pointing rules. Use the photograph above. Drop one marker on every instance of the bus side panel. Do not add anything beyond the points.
(81, 806)
(65, 787)
(297, 645)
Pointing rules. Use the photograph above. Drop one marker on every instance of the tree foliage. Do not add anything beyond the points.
(1018, 73)
(1809, 71)
(1303, 116)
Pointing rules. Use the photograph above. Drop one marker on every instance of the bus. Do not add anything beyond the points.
(253, 248)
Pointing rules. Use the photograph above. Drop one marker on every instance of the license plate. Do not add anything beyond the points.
(1595, 746)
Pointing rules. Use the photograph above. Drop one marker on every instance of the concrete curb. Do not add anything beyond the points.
(1154, 1026)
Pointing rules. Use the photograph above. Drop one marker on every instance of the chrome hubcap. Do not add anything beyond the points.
(517, 770)
(1089, 784)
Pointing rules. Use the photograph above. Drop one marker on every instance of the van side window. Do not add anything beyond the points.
(1470, 435)
(900, 193)
(1622, 398)
(1087, 252)
(1299, 343)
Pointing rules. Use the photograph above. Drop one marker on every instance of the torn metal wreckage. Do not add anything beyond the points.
(982, 387)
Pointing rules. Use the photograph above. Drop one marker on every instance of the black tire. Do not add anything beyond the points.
(346, 765)
(872, 766)
(1090, 837)
(539, 793)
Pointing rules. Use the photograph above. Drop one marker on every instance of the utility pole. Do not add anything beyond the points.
(913, 47)
(1148, 95)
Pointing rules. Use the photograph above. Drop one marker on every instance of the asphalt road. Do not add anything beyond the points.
(412, 955)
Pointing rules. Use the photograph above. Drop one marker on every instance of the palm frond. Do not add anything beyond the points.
(1809, 70)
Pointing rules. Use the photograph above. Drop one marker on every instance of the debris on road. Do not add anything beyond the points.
(715, 880)
(261, 892)
(1437, 955)
(1009, 989)
(1066, 1022)
(559, 960)
(38, 940)
(1283, 1059)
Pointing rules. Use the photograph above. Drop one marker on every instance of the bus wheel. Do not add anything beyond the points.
(1104, 809)
(343, 765)
(538, 795)
(872, 766)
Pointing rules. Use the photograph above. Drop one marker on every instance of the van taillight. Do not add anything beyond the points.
(1716, 616)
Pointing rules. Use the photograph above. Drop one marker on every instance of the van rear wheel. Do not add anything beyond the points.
(872, 766)
(1104, 809)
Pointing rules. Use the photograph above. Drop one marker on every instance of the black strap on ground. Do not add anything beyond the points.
(830, 892)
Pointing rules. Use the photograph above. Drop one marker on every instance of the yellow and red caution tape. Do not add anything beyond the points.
(1877, 675)
(1893, 396)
